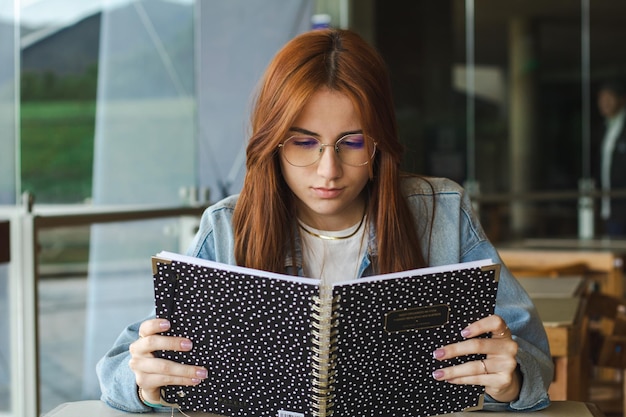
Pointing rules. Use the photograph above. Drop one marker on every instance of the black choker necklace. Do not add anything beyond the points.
(325, 237)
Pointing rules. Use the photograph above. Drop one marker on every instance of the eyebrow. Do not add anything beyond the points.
(317, 135)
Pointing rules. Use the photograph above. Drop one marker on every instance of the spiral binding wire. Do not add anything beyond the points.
(325, 321)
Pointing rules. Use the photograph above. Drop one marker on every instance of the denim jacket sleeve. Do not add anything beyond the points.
(455, 235)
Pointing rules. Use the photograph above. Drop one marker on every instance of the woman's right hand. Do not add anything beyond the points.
(152, 373)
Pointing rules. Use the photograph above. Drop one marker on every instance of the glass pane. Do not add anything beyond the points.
(5, 347)
(61, 306)
(237, 45)
(131, 63)
(527, 79)
(59, 69)
(522, 100)
(145, 130)
(8, 110)
(81, 314)
(145, 145)
(607, 30)
(8, 103)
(516, 73)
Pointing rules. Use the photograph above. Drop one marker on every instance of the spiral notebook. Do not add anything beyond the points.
(282, 346)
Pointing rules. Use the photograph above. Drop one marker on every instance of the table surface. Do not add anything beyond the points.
(557, 299)
(557, 312)
(99, 409)
(553, 287)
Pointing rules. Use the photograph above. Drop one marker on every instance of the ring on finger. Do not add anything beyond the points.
(482, 361)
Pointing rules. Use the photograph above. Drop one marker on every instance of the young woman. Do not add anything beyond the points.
(323, 197)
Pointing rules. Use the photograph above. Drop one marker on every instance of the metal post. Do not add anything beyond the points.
(470, 96)
(23, 313)
(585, 209)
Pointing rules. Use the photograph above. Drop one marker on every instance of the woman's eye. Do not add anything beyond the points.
(305, 142)
(356, 142)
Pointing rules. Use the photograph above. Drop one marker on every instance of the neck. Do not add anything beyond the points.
(327, 237)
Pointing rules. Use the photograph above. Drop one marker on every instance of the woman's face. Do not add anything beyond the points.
(609, 103)
(328, 192)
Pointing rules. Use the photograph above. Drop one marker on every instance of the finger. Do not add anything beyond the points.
(500, 347)
(473, 371)
(152, 373)
(482, 362)
(153, 326)
(499, 365)
(496, 384)
(146, 345)
(486, 380)
(493, 325)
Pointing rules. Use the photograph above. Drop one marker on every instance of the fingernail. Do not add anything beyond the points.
(202, 373)
(438, 353)
(465, 332)
(164, 325)
(438, 374)
(186, 344)
(196, 381)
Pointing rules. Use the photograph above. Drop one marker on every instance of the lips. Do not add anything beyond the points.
(322, 192)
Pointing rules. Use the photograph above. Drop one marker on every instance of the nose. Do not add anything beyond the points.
(329, 164)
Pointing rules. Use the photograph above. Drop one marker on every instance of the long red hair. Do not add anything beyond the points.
(264, 217)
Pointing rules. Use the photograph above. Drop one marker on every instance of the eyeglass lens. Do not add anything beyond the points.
(306, 150)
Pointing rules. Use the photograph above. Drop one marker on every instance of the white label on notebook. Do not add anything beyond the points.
(283, 413)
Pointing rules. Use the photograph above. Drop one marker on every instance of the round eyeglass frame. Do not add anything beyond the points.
(334, 145)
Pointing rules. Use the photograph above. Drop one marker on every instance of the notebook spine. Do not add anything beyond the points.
(324, 336)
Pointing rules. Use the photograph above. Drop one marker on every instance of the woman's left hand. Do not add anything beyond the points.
(497, 372)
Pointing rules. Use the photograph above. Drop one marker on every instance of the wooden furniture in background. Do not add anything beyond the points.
(579, 365)
(605, 347)
(560, 306)
(605, 268)
(562, 320)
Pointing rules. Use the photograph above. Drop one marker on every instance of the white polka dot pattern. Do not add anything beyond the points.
(254, 335)
(390, 374)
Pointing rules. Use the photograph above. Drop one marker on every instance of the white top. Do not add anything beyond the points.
(333, 260)
(615, 125)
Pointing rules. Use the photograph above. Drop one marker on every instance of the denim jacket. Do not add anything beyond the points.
(450, 233)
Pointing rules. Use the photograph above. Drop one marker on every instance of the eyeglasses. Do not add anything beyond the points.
(352, 149)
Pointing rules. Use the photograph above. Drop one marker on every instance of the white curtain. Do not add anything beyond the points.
(9, 102)
(175, 82)
(144, 153)
(236, 41)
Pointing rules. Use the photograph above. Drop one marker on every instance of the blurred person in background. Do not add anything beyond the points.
(611, 157)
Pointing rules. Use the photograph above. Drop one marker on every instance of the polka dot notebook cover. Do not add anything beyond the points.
(280, 346)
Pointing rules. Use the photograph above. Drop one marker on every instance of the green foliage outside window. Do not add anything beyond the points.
(57, 136)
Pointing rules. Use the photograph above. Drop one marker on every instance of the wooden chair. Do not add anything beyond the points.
(604, 268)
(604, 345)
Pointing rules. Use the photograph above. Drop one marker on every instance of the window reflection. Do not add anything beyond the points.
(529, 107)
